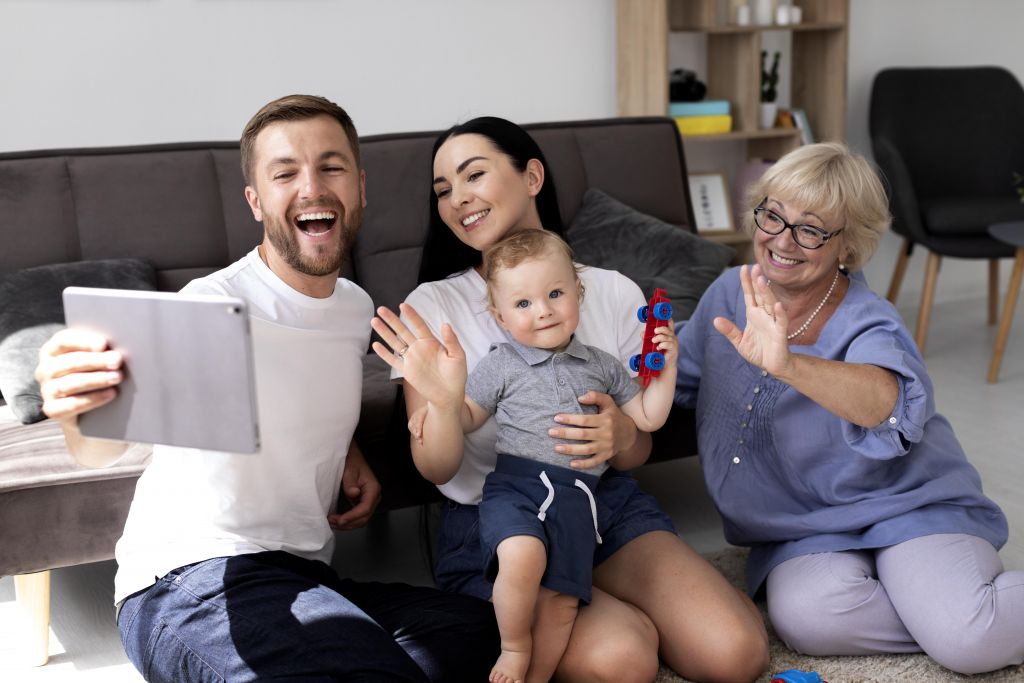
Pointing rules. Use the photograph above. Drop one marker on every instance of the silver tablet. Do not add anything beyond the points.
(188, 370)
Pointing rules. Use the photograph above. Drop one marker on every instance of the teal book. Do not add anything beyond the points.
(703, 108)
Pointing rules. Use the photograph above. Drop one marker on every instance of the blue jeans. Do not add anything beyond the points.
(276, 615)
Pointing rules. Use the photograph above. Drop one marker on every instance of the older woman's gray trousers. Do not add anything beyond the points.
(945, 594)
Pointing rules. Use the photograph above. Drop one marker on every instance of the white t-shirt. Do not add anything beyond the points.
(608, 321)
(192, 505)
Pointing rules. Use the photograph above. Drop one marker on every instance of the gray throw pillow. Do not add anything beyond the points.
(32, 309)
(652, 253)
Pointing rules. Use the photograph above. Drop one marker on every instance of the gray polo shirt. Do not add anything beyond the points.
(525, 388)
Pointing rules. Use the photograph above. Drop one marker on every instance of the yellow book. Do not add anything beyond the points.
(704, 125)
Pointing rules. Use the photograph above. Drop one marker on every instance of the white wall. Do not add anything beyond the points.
(109, 72)
(886, 33)
(113, 72)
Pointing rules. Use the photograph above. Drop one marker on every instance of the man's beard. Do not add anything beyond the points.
(328, 257)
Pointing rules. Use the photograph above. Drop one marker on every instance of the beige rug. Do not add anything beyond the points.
(873, 669)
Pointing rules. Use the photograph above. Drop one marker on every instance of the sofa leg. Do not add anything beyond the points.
(33, 596)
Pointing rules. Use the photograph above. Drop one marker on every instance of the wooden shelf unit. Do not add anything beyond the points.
(817, 75)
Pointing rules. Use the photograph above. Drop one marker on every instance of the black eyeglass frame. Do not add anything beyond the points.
(824, 235)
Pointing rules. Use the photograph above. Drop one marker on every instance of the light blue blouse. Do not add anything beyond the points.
(790, 478)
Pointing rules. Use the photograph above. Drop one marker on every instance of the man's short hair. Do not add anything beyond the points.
(293, 108)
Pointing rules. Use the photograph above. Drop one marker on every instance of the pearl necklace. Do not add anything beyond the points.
(807, 323)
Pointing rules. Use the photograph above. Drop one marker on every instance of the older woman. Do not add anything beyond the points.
(820, 443)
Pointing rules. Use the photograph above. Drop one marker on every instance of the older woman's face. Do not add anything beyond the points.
(790, 265)
(481, 196)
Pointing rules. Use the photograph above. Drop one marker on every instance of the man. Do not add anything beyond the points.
(223, 567)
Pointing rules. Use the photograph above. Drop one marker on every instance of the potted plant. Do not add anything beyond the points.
(769, 89)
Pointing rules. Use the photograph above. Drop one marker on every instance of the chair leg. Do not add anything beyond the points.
(901, 268)
(927, 298)
(1008, 309)
(33, 596)
(993, 290)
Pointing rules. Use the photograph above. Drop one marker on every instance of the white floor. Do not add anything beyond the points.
(989, 420)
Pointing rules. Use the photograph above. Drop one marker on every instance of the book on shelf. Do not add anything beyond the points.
(704, 125)
(702, 108)
(801, 122)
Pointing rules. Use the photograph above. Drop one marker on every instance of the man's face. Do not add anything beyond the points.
(308, 192)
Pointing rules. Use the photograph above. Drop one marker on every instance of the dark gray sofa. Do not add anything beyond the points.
(181, 207)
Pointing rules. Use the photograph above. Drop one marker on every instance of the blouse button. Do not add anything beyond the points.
(736, 461)
(561, 381)
(764, 373)
(743, 425)
(892, 420)
(741, 441)
(757, 390)
(749, 407)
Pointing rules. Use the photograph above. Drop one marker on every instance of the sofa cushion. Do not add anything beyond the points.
(32, 309)
(45, 526)
(609, 234)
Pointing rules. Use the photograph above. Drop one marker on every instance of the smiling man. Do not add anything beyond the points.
(224, 564)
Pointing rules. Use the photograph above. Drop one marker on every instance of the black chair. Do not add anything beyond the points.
(949, 141)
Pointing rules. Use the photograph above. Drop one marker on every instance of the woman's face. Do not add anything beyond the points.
(790, 265)
(481, 196)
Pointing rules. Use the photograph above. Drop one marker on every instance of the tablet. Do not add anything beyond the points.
(188, 368)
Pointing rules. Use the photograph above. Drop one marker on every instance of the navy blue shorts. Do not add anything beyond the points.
(626, 512)
(515, 499)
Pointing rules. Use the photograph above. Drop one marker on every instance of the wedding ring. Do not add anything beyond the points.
(401, 352)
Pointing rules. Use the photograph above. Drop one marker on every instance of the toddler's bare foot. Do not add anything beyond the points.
(510, 667)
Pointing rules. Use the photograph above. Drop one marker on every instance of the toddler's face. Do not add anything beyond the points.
(538, 301)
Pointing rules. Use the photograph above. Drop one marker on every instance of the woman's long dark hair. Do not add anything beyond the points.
(443, 253)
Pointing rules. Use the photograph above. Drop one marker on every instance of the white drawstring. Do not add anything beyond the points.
(593, 508)
(547, 501)
(551, 497)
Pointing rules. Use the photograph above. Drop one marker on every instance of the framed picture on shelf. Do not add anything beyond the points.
(712, 204)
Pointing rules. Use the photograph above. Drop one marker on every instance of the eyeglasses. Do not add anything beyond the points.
(807, 236)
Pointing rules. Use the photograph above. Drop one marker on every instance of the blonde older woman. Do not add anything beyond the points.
(820, 443)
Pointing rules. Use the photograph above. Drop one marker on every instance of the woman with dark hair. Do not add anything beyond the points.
(653, 596)
(445, 254)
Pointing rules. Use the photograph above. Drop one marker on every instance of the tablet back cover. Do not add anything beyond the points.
(189, 378)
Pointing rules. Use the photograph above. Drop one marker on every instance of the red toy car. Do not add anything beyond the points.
(649, 362)
(797, 676)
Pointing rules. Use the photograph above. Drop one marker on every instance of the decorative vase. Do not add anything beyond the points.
(769, 110)
(764, 11)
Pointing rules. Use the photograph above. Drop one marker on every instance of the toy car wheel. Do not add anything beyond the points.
(641, 313)
(634, 363)
(654, 360)
(663, 310)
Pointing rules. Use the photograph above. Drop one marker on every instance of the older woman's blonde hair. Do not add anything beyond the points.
(828, 178)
